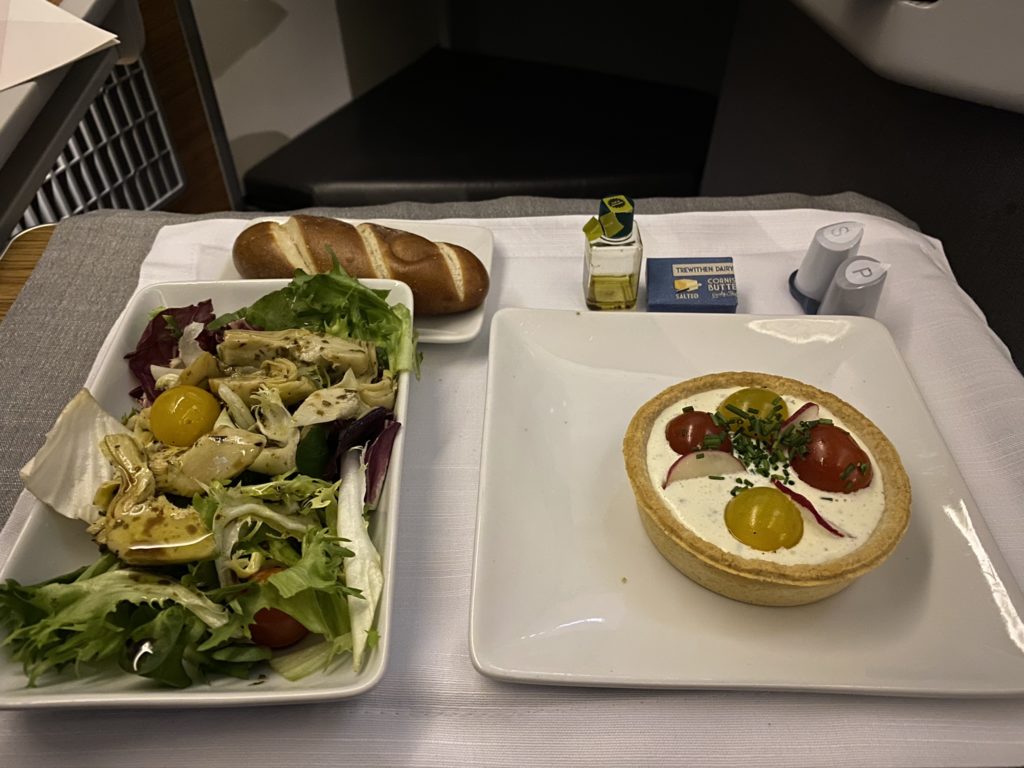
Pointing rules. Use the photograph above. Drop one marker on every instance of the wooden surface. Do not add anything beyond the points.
(18, 261)
(170, 72)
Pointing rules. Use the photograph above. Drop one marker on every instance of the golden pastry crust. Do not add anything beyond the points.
(752, 580)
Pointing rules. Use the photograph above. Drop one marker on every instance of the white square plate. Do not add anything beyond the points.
(50, 544)
(432, 329)
(567, 588)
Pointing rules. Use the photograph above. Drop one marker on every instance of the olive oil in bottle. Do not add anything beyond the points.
(612, 256)
(612, 291)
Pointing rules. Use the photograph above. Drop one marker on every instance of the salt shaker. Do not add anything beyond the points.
(829, 248)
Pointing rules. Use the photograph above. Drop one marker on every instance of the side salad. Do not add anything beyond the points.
(231, 506)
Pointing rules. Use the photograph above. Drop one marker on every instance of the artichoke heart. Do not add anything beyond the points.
(330, 404)
(141, 528)
(204, 367)
(221, 455)
(379, 394)
(374, 394)
(279, 374)
(236, 412)
(281, 432)
(299, 345)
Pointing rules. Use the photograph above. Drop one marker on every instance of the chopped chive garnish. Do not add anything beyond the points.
(711, 442)
(847, 472)
(715, 477)
(827, 498)
(700, 455)
(687, 409)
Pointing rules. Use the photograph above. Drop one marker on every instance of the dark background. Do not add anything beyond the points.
(797, 113)
(707, 97)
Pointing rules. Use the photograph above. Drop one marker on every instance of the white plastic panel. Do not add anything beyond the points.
(970, 49)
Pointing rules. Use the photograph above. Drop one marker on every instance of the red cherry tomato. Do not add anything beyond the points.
(686, 433)
(832, 461)
(272, 627)
(276, 629)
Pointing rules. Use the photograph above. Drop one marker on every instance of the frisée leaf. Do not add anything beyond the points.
(63, 622)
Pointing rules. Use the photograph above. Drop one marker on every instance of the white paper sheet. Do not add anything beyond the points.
(37, 37)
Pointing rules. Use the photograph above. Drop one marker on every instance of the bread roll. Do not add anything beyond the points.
(444, 278)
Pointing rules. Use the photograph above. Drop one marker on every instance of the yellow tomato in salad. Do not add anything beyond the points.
(182, 415)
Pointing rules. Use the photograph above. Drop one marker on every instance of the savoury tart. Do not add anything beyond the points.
(731, 568)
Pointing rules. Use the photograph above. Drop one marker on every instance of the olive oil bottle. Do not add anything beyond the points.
(612, 256)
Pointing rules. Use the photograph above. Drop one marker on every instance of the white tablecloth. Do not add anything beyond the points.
(433, 708)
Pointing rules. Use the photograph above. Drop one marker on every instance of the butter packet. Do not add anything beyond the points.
(691, 285)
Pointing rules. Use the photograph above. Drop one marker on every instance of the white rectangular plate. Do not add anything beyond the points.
(432, 329)
(567, 588)
(50, 545)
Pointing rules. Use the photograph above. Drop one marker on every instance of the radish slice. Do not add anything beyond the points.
(702, 464)
(804, 502)
(806, 412)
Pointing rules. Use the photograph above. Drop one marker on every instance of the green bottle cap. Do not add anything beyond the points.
(614, 219)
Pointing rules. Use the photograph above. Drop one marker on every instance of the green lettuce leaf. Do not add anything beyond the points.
(318, 568)
(61, 622)
(335, 303)
(310, 659)
(309, 591)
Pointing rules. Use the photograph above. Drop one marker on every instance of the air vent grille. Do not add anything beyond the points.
(119, 156)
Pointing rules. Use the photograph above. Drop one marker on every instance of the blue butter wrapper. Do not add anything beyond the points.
(691, 285)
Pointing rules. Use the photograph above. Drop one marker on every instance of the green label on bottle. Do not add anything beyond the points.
(614, 219)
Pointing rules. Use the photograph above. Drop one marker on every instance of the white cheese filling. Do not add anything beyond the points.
(699, 503)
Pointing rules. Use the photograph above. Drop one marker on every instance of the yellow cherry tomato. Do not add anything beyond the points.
(182, 415)
(765, 519)
(753, 401)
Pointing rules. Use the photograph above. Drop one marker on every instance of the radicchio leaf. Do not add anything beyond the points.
(378, 457)
(159, 342)
(362, 430)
